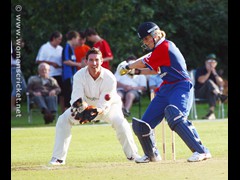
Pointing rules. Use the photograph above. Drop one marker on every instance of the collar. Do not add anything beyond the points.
(160, 41)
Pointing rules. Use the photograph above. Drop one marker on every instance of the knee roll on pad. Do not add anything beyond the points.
(145, 136)
(140, 127)
(173, 116)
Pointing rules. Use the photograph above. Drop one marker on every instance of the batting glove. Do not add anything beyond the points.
(123, 68)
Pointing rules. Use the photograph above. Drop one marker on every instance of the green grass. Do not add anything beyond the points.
(95, 154)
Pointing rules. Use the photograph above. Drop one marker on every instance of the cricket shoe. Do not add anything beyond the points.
(146, 159)
(136, 156)
(56, 162)
(196, 157)
(210, 116)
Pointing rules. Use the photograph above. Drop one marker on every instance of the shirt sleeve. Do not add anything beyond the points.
(42, 55)
(159, 57)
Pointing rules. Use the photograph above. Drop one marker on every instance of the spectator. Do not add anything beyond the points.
(91, 84)
(209, 85)
(43, 90)
(17, 78)
(100, 43)
(69, 65)
(130, 87)
(51, 53)
(81, 49)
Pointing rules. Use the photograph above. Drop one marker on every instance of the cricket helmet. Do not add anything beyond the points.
(146, 28)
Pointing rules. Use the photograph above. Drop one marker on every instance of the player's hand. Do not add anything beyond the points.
(78, 107)
(87, 115)
(123, 68)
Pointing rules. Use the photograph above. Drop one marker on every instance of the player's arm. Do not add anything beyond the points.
(107, 58)
(136, 64)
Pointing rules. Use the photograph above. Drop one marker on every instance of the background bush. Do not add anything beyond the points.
(196, 27)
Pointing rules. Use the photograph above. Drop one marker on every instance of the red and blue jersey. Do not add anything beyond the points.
(176, 86)
(169, 59)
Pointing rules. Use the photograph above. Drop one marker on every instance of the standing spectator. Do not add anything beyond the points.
(69, 65)
(17, 78)
(43, 90)
(91, 84)
(172, 98)
(102, 44)
(209, 85)
(81, 50)
(130, 88)
(51, 53)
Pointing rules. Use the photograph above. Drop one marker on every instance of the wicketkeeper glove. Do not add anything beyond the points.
(78, 106)
(82, 112)
(87, 115)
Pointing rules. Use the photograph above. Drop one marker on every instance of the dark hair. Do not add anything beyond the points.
(82, 34)
(54, 35)
(90, 31)
(93, 50)
(131, 57)
(71, 34)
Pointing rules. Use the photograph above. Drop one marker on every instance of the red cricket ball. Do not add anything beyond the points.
(107, 97)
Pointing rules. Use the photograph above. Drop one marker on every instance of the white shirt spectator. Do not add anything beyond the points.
(49, 53)
(135, 80)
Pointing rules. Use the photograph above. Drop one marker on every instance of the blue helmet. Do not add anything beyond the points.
(146, 28)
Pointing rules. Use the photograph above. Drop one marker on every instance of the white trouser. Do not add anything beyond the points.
(114, 117)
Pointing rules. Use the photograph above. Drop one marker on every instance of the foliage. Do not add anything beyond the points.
(197, 27)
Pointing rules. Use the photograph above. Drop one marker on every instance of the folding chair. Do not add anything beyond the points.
(193, 110)
(31, 107)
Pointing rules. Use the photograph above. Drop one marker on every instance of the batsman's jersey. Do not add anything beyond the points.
(94, 91)
(176, 85)
(169, 59)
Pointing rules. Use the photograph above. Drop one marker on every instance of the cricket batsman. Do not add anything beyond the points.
(172, 99)
(93, 87)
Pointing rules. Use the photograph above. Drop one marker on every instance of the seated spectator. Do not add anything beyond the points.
(43, 90)
(51, 53)
(129, 86)
(209, 84)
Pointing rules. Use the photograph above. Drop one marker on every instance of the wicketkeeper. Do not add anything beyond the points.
(88, 102)
(172, 99)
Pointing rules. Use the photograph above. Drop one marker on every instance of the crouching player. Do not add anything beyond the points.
(88, 102)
